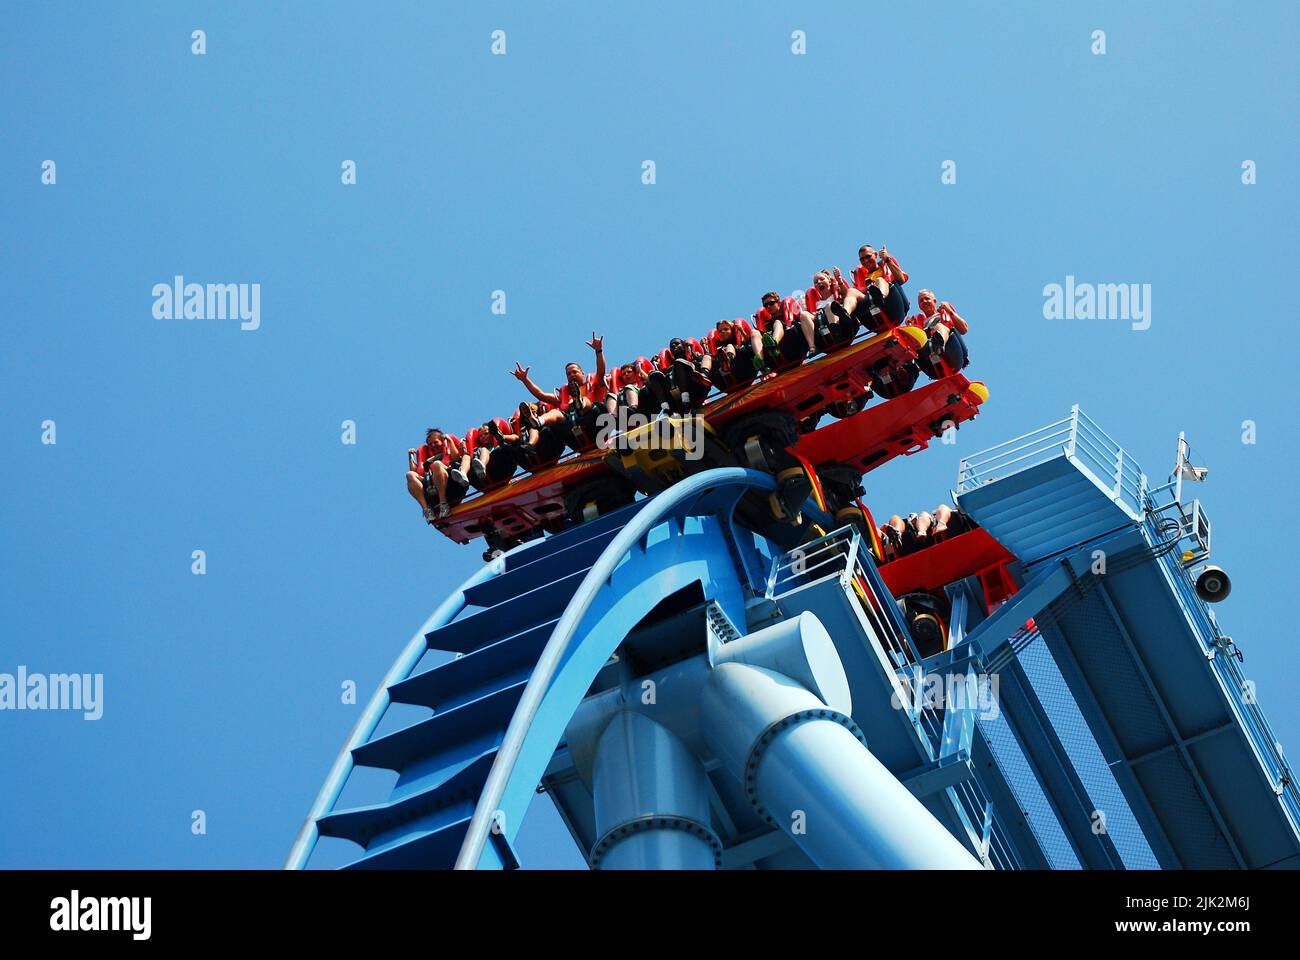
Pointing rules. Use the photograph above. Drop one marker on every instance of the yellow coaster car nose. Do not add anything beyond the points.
(916, 333)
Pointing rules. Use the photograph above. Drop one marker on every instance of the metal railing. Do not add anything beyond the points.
(842, 554)
(1077, 437)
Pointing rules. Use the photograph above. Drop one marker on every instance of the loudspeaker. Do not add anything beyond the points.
(1213, 585)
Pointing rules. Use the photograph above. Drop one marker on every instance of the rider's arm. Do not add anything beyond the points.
(900, 275)
(553, 399)
(958, 322)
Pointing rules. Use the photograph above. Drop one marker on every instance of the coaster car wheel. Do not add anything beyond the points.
(598, 497)
(891, 381)
(793, 488)
(760, 441)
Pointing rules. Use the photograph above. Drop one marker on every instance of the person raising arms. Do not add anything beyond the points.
(577, 404)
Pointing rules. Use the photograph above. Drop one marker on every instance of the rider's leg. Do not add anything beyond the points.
(808, 324)
(438, 471)
(415, 487)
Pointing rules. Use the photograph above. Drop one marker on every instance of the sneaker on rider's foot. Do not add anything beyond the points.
(429, 515)
(444, 511)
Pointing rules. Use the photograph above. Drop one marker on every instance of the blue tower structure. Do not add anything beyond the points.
(695, 691)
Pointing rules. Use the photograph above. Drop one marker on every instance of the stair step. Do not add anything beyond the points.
(478, 718)
(427, 850)
(451, 683)
(460, 788)
(607, 527)
(546, 601)
(579, 555)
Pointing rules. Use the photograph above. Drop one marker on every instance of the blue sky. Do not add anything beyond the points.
(523, 173)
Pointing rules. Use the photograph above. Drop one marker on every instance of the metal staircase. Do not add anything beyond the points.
(1105, 571)
(501, 625)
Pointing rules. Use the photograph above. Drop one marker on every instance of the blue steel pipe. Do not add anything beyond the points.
(805, 768)
(651, 800)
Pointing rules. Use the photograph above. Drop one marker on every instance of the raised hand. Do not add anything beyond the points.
(596, 343)
(520, 373)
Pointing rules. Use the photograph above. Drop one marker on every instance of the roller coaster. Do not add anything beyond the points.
(712, 662)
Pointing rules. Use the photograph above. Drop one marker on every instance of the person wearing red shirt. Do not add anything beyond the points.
(536, 447)
(775, 321)
(881, 301)
(831, 301)
(682, 363)
(435, 476)
(639, 386)
(494, 451)
(945, 351)
(902, 537)
(576, 405)
(734, 353)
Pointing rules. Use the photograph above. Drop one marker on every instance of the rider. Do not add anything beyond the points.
(832, 301)
(902, 537)
(683, 363)
(495, 453)
(945, 351)
(536, 447)
(640, 387)
(577, 404)
(774, 320)
(879, 281)
(734, 353)
(435, 475)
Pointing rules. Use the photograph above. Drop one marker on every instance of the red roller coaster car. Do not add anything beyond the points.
(770, 424)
